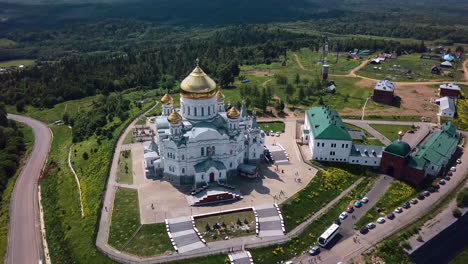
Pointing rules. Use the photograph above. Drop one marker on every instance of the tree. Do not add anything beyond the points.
(457, 213)
(264, 99)
(20, 106)
(297, 79)
(207, 227)
(301, 94)
(289, 89)
(225, 76)
(85, 155)
(66, 118)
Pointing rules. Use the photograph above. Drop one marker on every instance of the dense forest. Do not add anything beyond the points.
(11, 148)
(221, 53)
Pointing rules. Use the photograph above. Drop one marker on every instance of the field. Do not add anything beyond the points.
(126, 233)
(10, 63)
(7, 43)
(125, 171)
(301, 243)
(391, 131)
(420, 70)
(5, 199)
(276, 126)
(234, 224)
(398, 193)
(129, 139)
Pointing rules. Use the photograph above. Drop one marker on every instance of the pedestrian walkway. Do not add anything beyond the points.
(270, 221)
(182, 235)
(241, 257)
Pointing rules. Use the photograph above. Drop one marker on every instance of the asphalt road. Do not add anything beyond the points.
(24, 237)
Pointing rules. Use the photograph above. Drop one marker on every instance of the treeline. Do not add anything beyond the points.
(11, 148)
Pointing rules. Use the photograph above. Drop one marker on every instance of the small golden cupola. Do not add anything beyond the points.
(198, 85)
(167, 99)
(233, 113)
(174, 118)
(220, 96)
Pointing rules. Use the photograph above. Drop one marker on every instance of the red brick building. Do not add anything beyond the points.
(450, 90)
(384, 92)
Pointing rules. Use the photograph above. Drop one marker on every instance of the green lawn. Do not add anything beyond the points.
(125, 217)
(149, 241)
(398, 193)
(420, 69)
(391, 131)
(461, 258)
(125, 171)
(276, 126)
(329, 182)
(5, 199)
(129, 139)
(10, 63)
(7, 43)
(234, 224)
(308, 238)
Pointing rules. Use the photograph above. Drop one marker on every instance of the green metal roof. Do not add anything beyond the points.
(207, 164)
(306, 131)
(440, 145)
(326, 123)
(399, 148)
(417, 163)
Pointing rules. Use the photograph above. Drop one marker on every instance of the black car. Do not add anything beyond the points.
(447, 178)
(426, 193)
(364, 230)
(421, 196)
(391, 216)
(442, 182)
(431, 189)
(406, 205)
(337, 221)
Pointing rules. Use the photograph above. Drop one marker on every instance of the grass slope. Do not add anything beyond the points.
(276, 126)
(10, 63)
(125, 170)
(391, 131)
(228, 225)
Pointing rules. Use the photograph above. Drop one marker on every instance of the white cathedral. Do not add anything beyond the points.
(204, 141)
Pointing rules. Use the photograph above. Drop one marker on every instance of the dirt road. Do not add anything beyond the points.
(24, 238)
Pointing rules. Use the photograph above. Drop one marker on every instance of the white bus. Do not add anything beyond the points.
(328, 235)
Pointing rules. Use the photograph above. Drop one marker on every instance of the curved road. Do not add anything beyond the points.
(24, 237)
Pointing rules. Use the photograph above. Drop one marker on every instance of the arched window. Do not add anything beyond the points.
(188, 110)
(183, 157)
(209, 111)
(213, 151)
(183, 170)
(203, 111)
(195, 111)
(202, 151)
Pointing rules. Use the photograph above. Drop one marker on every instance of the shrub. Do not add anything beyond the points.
(85, 156)
(457, 213)
(462, 198)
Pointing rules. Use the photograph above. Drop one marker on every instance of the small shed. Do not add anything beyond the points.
(448, 57)
(446, 64)
(436, 70)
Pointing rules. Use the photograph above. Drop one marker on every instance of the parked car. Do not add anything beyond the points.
(442, 182)
(277, 134)
(406, 205)
(414, 201)
(358, 204)
(421, 196)
(350, 209)
(398, 210)
(436, 186)
(447, 178)
(315, 250)
(364, 230)
(458, 161)
(365, 200)
(453, 169)
(381, 220)
(426, 193)
(289, 262)
(343, 215)
(337, 221)
(391, 216)
(370, 225)
(431, 189)
(272, 133)
(449, 173)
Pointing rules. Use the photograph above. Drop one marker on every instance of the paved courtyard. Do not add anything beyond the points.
(160, 200)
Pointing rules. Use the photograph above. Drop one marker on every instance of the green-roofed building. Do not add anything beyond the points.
(329, 139)
(429, 159)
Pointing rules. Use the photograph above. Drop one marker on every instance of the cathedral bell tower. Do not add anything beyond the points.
(167, 104)
(233, 120)
(175, 124)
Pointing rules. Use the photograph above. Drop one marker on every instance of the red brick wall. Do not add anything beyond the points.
(392, 165)
(214, 198)
(382, 97)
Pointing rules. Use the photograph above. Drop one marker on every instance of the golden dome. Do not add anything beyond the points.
(220, 96)
(198, 85)
(167, 99)
(174, 118)
(233, 113)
